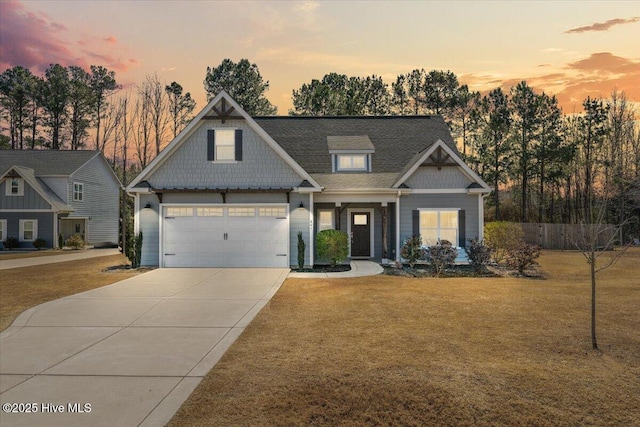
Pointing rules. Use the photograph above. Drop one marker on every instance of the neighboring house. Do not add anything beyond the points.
(47, 192)
(233, 190)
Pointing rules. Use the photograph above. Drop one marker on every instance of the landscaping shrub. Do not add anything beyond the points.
(10, 243)
(301, 247)
(441, 256)
(412, 249)
(332, 245)
(60, 241)
(75, 242)
(134, 251)
(39, 243)
(523, 256)
(501, 236)
(479, 255)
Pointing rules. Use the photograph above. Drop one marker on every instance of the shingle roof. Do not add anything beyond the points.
(351, 142)
(46, 162)
(355, 180)
(396, 139)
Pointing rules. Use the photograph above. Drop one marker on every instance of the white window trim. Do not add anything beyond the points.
(216, 145)
(371, 228)
(3, 230)
(438, 221)
(8, 186)
(336, 162)
(333, 219)
(35, 230)
(81, 192)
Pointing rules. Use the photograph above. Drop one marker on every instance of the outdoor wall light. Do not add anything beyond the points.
(301, 205)
(148, 206)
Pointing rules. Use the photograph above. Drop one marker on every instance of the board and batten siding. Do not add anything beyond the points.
(440, 201)
(101, 201)
(31, 199)
(45, 226)
(188, 166)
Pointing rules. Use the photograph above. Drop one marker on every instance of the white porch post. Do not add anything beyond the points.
(311, 217)
(398, 227)
(481, 216)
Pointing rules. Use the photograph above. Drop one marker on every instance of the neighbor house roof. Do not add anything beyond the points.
(47, 162)
(57, 204)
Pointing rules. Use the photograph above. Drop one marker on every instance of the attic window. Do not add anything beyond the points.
(14, 187)
(224, 145)
(352, 162)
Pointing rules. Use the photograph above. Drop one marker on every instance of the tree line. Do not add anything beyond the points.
(545, 165)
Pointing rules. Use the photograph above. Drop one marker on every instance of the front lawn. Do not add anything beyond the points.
(399, 351)
(22, 288)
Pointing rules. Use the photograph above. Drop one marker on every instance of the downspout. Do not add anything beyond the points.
(311, 237)
(398, 227)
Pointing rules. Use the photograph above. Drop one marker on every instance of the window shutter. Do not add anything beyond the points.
(238, 144)
(462, 229)
(211, 145)
(416, 222)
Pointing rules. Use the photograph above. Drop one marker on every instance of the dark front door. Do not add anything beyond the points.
(360, 234)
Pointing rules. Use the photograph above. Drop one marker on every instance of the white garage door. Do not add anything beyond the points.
(225, 236)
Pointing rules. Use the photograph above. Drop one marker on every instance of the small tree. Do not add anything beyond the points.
(301, 248)
(501, 236)
(440, 256)
(412, 249)
(134, 250)
(332, 245)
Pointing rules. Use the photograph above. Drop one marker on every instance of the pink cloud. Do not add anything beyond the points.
(603, 26)
(33, 40)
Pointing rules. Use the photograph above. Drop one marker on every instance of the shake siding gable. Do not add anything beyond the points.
(432, 178)
(188, 166)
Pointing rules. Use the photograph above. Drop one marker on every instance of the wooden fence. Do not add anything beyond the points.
(562, 236)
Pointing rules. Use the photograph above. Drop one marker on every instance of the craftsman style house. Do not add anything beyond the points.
(45, 193)
(233, 190)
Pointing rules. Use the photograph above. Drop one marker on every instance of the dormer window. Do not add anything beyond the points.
(14, 186)
(352, 162)
(350, 153)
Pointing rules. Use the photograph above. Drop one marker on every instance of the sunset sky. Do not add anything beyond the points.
(571, 48)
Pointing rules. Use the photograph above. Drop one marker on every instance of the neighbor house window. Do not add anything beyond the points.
(3, 230)
(438, 225)
(352, 162)
(78, 192)
(28, 230)
(326, 219)
(14, 187)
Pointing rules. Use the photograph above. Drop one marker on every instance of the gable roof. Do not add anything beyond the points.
(397, 139)
(195, 123)
(47, 162)
(57, 204)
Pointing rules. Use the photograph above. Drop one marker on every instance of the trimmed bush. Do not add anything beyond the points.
(39, 243)
(441, 256)
(502, 236)
(134, 250)
(75, 242)
(332, 245)
(479, 255)
(523, 256)
(60, 241)
(301, 248)
(10, 243)
(412, 249)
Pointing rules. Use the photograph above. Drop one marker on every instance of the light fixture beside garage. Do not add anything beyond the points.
(301, 205)
(147, 206)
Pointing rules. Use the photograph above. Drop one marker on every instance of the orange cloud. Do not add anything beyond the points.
(111, 40)
(603, 26)
(606, 62)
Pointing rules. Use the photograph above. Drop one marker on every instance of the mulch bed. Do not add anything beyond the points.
(324, 269)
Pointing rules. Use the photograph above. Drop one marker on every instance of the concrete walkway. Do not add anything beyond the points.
(358, 269)
(50, 259)
(127, 354)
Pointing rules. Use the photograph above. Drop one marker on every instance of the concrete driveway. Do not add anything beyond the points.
(127, 354)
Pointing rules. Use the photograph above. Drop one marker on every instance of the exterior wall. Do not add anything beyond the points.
(188, 166)
(101, 202)
(299, 221)
(30, 200)
(462, 201)
(45, 226)
(432, 178)
(59, 185)
(149, 223)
